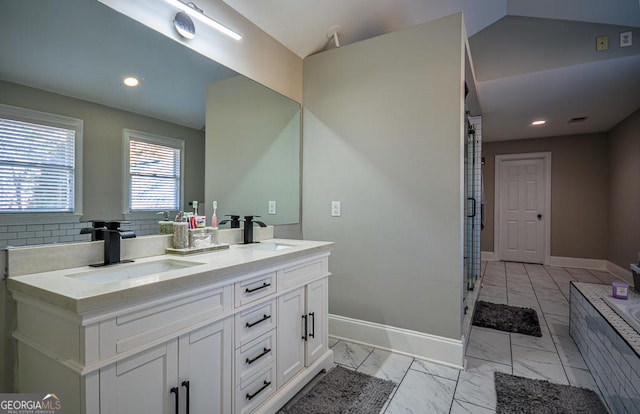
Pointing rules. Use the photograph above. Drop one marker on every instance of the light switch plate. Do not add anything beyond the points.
(626, 38)
(335, 209)
(272, 207)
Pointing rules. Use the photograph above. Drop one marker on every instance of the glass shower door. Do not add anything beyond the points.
(473, 193)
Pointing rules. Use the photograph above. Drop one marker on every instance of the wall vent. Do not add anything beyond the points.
(578, 119)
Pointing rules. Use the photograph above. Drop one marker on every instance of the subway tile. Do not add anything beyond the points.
(51, 227)
(17, 228)
(35, 227)
(3, 229)
(17, 242)
(67, 226)
(8, 236)
(44, 233)
(35, 240)
(58, 233)
(66, 239)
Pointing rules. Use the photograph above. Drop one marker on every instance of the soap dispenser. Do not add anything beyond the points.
(165, 226)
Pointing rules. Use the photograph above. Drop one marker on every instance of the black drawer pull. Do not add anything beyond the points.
(251, 396)
(306, 328)
(252, 360)
(175, 391)
(251, 325)
(186, 385)
(264, 285)
(313, 325)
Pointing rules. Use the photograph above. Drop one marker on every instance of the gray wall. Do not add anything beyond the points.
(624, 193)
(102, 174)
(383, 134)
(579, 183)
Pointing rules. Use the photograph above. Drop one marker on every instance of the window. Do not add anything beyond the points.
(154, 172)
(40, 162)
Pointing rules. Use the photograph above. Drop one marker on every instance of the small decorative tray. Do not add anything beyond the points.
(196, 250)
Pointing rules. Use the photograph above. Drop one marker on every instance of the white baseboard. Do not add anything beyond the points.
(596, 264)
(433, 348)
(620, 272)
(488, 256)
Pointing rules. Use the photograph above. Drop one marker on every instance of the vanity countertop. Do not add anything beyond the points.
(62, 289)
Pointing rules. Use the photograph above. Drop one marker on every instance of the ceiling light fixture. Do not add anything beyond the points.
(197, 13)
(539, 122)
(131, 81)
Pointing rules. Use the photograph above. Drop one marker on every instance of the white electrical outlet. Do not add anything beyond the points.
(272, 207)
(335, 209)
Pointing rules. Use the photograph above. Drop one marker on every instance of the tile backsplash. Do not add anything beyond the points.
(35, 234)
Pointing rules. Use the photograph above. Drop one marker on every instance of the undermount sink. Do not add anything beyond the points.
(118, 273)
(271, 246)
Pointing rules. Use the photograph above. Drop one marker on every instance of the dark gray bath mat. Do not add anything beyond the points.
(343, 391)
(507, 318)
(517, 395)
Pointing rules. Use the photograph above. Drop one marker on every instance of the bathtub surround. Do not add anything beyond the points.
(610, 347)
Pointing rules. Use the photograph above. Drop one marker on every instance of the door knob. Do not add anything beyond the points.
(539, 216)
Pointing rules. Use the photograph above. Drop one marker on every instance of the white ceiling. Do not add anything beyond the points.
(531, 58)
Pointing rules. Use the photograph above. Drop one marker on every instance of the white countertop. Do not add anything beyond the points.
(61, 289)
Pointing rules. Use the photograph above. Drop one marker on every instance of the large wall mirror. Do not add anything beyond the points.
(83, 49)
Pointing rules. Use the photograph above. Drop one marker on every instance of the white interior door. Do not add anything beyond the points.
(522, 210)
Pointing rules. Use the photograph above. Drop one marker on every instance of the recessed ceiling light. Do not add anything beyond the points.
(131, 81)
(539, 122)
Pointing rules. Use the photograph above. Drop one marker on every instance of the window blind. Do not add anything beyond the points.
(154, 172)
(37, 167)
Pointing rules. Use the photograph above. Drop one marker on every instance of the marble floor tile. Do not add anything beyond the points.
(422, 393)
(604, 277)
(554, 307)
(557, 324)
(520, 288)
(538, 370)
(386, 365)
(523, 300)
(435, 369)
(496, 291)
(549, 294)
(462, 407)
(493, 299)
(476, 384)
(350, 354)
(546, 283)
(581, 378)
(543, 343)
(489, 345)
(513, 268)
(526, 355)
(569, 353)
(494, 281)
(332, 341)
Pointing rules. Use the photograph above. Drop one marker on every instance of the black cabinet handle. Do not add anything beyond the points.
(313, 324)
(175, 391)
(304, 322)
(264, 285)
(252, 324)
(251, 396)
(186, 385)
(252, 360)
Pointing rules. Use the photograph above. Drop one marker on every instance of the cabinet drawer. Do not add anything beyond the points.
(303, 272)
(255, 356)
(254, 322)
(251, 394)
(255, 288)
(139, 327)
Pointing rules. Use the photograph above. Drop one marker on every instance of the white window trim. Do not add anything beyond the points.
(60, 121)
(129, 134)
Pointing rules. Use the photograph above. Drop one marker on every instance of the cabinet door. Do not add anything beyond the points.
(290, 353)
(142, 383)
(205, 358)
(316, 314)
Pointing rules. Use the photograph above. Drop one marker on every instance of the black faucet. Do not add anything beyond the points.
(110, 232)
(234, 220)
(248, 228)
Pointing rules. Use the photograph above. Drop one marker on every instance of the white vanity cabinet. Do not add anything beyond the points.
(241, 344)
(185, 375)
